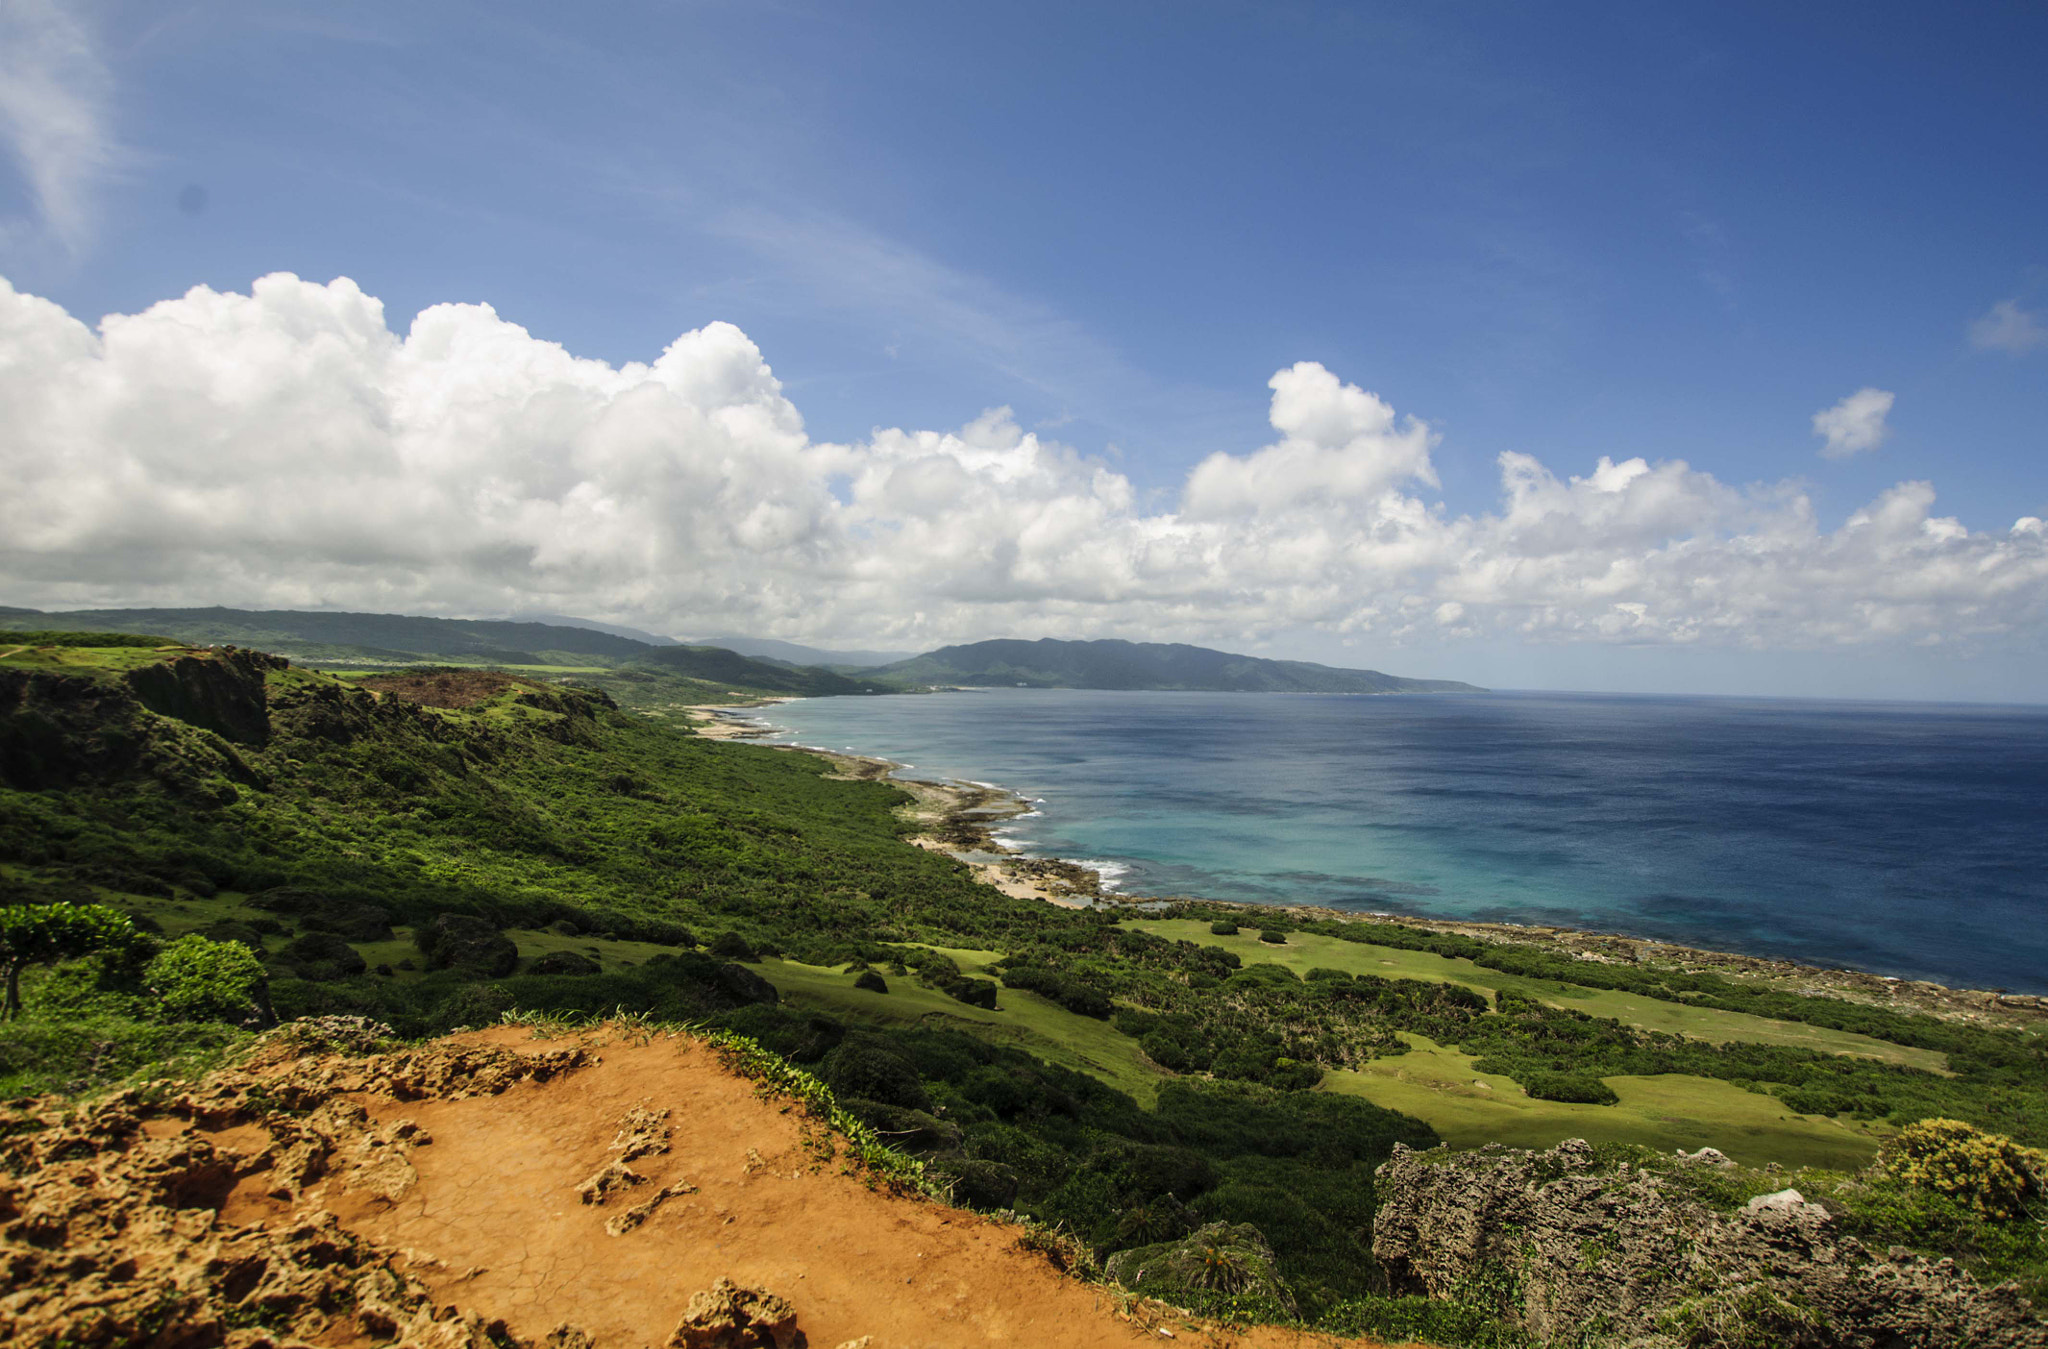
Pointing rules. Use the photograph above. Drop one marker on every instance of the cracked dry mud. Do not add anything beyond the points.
(444, 1196)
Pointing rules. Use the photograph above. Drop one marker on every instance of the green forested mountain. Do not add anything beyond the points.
(1049, 663)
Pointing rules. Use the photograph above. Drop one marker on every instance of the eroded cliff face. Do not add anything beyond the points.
(60, 728)
(1581, 1253)
(220, 691)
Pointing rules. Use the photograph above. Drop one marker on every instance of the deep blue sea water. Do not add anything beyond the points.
(1908, 839)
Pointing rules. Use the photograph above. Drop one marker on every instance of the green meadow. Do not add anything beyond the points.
(1305, 951)
(1667, 1111)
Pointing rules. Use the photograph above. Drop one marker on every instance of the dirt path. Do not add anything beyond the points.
(494, 1220)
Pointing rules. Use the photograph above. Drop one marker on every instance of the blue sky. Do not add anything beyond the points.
(1562, 231)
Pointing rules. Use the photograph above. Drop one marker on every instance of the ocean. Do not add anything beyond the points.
(1907, 839)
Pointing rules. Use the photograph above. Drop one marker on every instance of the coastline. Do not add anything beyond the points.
(960, 819)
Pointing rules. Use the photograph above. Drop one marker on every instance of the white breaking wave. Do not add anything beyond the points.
(1112, 873)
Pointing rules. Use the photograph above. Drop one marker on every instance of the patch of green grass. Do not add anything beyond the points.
(1670, 1110)
(1022, 1020)
(114, 659)
(1306, 950)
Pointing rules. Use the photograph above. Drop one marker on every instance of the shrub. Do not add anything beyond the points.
(1581, 1088)
(872, 982)
(1223, 928)
(1273, 935)
(321, 956)
(564, 962)
(1989, 1172)
(732, 946)
(198, 979)
(459, 940)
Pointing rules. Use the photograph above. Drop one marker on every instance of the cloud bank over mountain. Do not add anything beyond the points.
(286, 448)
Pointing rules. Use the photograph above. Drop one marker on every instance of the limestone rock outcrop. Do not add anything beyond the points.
(1583, 1253)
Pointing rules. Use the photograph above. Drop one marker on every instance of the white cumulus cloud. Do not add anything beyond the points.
(1855, 424)
(2009, 328)
(288, 448)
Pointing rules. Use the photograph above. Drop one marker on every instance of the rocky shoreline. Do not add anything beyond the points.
(961, 819)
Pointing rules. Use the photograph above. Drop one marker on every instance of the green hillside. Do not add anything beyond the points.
(1052, 664)
(635, 672)
(436, 848)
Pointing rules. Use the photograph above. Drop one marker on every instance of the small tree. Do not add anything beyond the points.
(198, 979)
(43, 934)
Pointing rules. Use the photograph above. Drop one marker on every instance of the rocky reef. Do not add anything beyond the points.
(1576, 1246)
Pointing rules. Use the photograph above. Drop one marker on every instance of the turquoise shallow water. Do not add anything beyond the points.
(1908, 839)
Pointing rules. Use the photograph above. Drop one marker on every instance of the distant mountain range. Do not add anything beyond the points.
(350, 639)
(1049, 663)
(769, 648)
(732, 664)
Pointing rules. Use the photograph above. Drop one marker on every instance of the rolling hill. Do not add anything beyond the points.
(632, 670)
(1048, 663)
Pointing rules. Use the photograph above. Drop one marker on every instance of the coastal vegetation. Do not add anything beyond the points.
(443, 847)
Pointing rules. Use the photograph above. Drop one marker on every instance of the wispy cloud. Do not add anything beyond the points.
(1024, 341)
(55, 124)
(1855, 424)
(2008, 328)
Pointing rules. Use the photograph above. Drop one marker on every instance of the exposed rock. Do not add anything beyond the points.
(607, 1181)
(109, 1214)
(1576, 1252)
(220, 691)
(727, 1316)
(642, 1133)
(622, 1223)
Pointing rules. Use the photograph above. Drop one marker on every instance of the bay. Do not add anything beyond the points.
(1905, 839)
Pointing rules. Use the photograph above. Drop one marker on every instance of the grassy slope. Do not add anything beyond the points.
(1437, 1084)
(1305, 951)
(1667, 1111)
(1021, 1020)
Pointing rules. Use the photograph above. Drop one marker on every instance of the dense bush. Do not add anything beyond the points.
(1989, 1172)
(1582, 1088)
(198, 979)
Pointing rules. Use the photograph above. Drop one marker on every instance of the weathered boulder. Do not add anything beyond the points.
(1576, 1250)
(727, 1316)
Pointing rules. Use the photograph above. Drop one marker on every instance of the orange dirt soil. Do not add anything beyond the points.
(463, 1168)
(443, 688)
